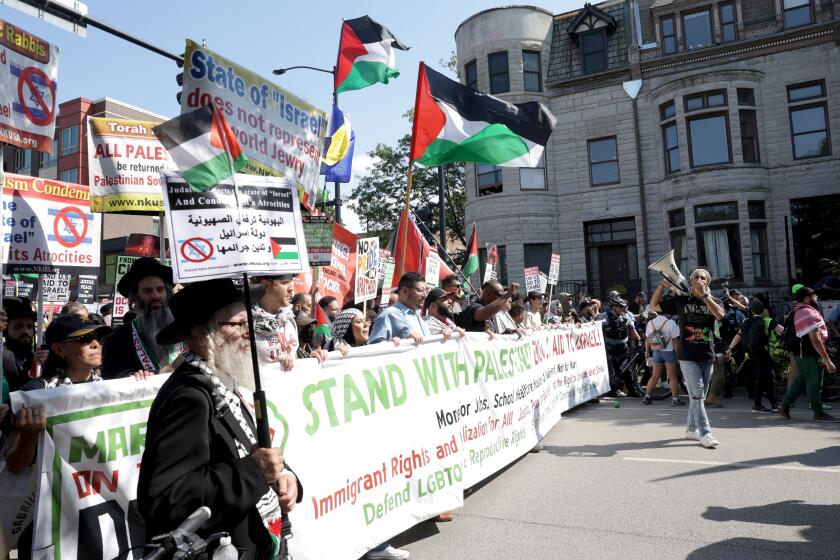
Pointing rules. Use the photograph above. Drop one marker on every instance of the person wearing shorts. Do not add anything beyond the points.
(661, 335)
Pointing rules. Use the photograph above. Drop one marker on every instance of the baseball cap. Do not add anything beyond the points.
(434, 295)
(795, 288)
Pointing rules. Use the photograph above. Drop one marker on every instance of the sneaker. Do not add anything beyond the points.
(388, 553)
(665, 385)
(824, 406)
(677, 402)
(647, 400)
(620, 394)
(823, 417)
(693, 436)
(774, 408)
(760, 408)
(784, 412)
(708, 441)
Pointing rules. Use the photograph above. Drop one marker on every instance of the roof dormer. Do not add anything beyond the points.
(590, 18)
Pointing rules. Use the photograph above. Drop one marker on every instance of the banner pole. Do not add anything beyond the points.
(404, 232)
(550, 291)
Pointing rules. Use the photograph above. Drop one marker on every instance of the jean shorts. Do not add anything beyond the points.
(664, 357)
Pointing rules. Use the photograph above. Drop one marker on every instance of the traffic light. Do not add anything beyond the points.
(179, 78)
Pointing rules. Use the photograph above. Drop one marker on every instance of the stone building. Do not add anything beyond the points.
(698, 125)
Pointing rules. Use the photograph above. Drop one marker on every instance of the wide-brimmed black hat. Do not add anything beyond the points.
(195, 305)
(18, 307)
(141, 268)
(67, 327)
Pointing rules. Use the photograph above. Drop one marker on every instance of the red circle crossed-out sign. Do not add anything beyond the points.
(31, 88)
(199, 249)
(66, 219)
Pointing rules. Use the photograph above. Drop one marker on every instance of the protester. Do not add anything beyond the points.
(638, 304)
(19, 357)
(493, 298)
(403, 319)
(452, 286)
(518, 313)
(697, 312)
(661, 339)
(200, 447)
(587, 311)
(755, 336)
(440, 315)
(302, 304)
(533, 317)
(133, 346)
(727, 328)
(811, 335)
(275, 329)
(74, 308)
(330, 306)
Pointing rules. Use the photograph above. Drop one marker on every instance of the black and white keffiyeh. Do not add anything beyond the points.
(61, 381)
(343, 320)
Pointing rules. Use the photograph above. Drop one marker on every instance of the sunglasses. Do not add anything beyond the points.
(85, 339)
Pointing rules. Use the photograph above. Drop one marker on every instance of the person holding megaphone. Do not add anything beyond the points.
(697, 312)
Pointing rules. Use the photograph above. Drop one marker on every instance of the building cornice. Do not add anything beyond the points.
(705, 78)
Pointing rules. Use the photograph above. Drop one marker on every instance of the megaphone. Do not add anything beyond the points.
(669, 271)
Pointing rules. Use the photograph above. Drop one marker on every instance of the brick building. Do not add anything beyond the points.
(69, 162)
(725, 154)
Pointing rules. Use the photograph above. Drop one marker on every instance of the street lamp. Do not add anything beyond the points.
(280, 72)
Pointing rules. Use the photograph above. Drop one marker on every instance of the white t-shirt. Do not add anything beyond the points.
(667, 328)
(533, 319)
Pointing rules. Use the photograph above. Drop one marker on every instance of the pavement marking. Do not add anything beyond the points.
(732, 465)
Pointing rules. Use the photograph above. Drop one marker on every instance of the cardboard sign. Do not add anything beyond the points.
(367, 269)
(56, 287)
(28, 74)
(87, 289)
(532, 279)
(543, 282)
(222, 234)
(554, 269)
(387, 279)
(318, 231)
(489, 273)
(432, 269)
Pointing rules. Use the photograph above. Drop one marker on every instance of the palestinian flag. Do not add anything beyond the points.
(454, 123)
(322, 326)
(365, 55)
(284, 249)
(202, 146)
(471, 262)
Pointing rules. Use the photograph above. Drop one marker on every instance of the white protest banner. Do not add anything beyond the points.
(543, 282)
(445, 415)
(86, 289)
(56, 287)
(125, 159)
(554, 269)
(532, 279)
(28, 74)
(219, 233)
(432, 269)
(48, 226)
(367, 269)
(278, 131)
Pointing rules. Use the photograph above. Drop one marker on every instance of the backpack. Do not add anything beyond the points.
(657, 340)
(754, 334)
(790, 342)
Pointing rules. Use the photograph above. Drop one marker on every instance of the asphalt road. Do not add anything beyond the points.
(623, 483)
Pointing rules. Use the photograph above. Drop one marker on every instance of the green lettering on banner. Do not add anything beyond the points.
(116, 441)
(79, 445)
(377, 386)
(427, 371)
(480, 360)
(353, 399)
(324, 386)
(137, 438)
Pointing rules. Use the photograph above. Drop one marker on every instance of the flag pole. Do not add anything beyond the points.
(442, 250)
(404, 227)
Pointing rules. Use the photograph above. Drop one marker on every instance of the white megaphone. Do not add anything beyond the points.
(669, 271)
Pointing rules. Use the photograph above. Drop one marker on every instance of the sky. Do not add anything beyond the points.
(261, 36)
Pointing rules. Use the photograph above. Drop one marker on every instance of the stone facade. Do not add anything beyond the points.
(734, 214)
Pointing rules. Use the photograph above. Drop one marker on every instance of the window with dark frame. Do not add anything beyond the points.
(49, 159)
(746, 97)
(708, 139)
(593, 47)
(749, 136)
(706, 100)
(603, 161)
(728, 27)
(69, 176)
(758, 239)
(718, 250)
(499, 73)
(671, 145)
(488, 179)
(532, 70)
(797, 13)
(471, 74)
(715, 212)
(756, 210)
(69, 140)
(676, 218)
(806, 92)
(697, 30)
(669, 35)
(808, 121)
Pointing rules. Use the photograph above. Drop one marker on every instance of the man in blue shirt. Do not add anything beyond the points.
(404, 319)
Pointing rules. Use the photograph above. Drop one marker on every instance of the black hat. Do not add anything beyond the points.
(18, 307)
(195, 305)
(65, 327)
(434, 295)
(141, 268)
(803, 292)
(585, 303)
(618, 301)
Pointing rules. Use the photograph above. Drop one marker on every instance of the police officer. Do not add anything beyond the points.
(618, 331)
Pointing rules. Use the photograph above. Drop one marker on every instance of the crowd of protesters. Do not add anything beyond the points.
(196, 455)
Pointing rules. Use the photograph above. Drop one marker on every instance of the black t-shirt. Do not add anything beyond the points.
(697, 327)
(466, 318)
(634, 308)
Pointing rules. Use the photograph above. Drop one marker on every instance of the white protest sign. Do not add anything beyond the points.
(554, 269)
(488, 273)
(543, 282)
(432, 269)
(219, 234)
(278, 131)
(387, 280)
(56, 287)
(367, 269)
(48, 226)
(532, 279)
(28, 74)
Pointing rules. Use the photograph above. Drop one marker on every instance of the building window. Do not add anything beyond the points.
(670, 139)
(532, 70)
(716, 212)
(70, 140)
(676, 222)
(717, 251)
(815, 230)
(749, 136)
(488, 179)
(593, 46)
(539, 255)
(667, 110)
(746, 97)
(728, 28)
(676, 218)
(471, 74)
(756, 210)
(758, 239)
(706, 100)
(669, 35)
(499, 75)
(603, 161)
(532, 178)
(23, 161)
(51, 158)
(797, 13)
(708, 139)
(697, 30)
(69, 176)
(808, 122)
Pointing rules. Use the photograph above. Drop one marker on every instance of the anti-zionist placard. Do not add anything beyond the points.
(411, 427)
(56, 287)
(554, 269)
(125, 159)
(48, 226)
(318, 231)
(532, 279)
(86, 289)
(28, 74)
(277, 130)
(221, 233)
(367, 269)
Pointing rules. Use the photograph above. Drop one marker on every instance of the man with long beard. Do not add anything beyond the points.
(133, 347)
(19, 358)
(200, 441)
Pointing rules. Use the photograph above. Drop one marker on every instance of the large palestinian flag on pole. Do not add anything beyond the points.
(365, 55)
(454, 123)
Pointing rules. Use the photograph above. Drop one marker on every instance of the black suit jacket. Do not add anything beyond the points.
(190, 461)
(119, 359)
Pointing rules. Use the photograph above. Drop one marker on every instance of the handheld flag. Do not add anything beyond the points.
(454, 123)
(471, 261)
(321, 324)
(202, 146)
(336, 165)
(365, 55)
